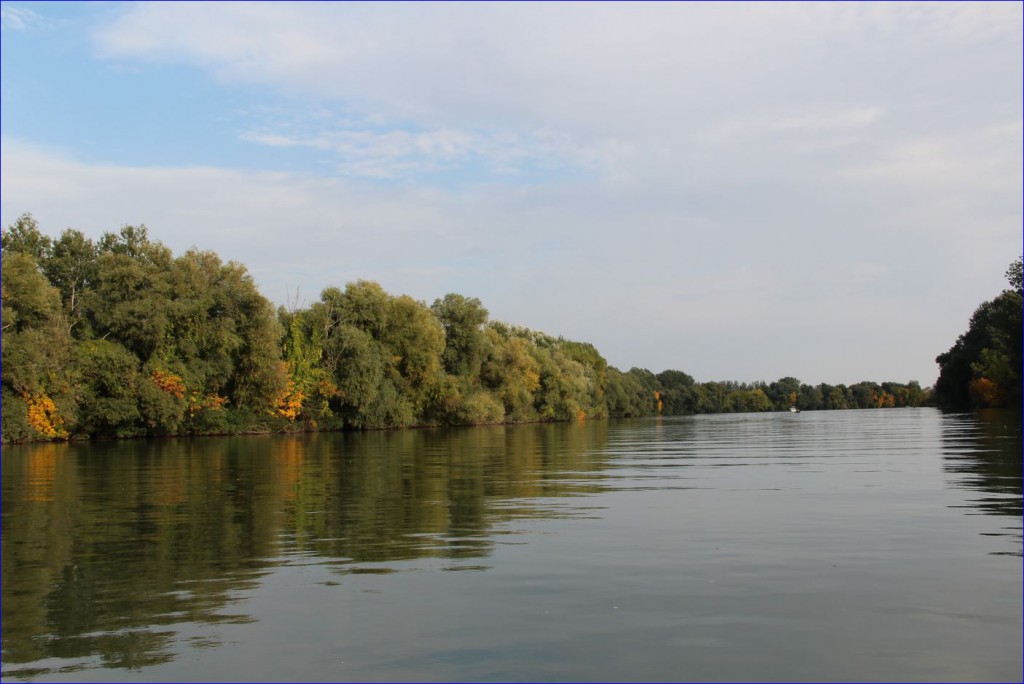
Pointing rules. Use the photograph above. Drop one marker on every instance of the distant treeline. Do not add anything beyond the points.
(119, 337)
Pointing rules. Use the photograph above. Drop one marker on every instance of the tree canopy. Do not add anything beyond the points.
(983, 367)
(120, 337)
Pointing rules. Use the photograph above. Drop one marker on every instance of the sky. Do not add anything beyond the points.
(740, 191)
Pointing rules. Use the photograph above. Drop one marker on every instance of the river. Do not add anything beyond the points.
(834, 545)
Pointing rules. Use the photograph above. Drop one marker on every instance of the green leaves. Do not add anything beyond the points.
(108, 389)
(82, 320)
(983, 367)
(462, 319)
(120, 337)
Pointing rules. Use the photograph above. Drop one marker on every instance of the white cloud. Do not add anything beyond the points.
(819, 189)
(603, 68)
(858, 117)
(289, 228)
(644, 94)
(398, 153)
(18, 18)
(817, 128)
(985, 159)
(733, 296)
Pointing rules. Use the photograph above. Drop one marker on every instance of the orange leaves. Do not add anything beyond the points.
(289, 404)
(985, 392)
(327, 388)
(304, 396)
(43, 416)
(657, 398)
(210, 402)
(169, 383)
(197, 402)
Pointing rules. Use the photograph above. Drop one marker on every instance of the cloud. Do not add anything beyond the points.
(290, 228)
(655, 285)
(824, 190)
(642, 94)
(15, 18)
(396, 153)
(982, 159)
(600, 68)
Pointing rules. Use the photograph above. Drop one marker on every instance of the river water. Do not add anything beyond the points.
(841, 545)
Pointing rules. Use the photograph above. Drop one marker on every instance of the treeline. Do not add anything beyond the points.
(118, 337)
(676, 393)
(983, 367)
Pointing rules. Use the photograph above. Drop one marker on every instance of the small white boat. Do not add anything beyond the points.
(794, 409)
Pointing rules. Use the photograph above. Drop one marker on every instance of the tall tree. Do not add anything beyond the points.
(462, 319)
(38, 397)
(983, 367)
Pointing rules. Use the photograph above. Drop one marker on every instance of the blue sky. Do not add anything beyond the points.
(740, 191)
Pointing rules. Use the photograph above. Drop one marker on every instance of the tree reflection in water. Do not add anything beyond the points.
(107, 544)
(982, 450)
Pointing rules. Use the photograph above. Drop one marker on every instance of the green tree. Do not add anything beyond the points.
(1015, 276)
(38, 378)
(627, 395)
(71, 266)
(983, 367)
(23, 236)
(783, 393)
(108, 403)
(130, 300)
(513, 374)
(810, 398)
(258, 377)
(462, 319)
(678, 396)
(416, 342)
(564, 389)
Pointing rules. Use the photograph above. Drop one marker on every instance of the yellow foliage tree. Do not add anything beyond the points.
(289, 404)
(43, 416)
(210, 402)
(168, 382)
(984, 392)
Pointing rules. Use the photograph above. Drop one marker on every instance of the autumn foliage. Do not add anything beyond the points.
(43, 416)
(169, 383)
(289, 403)
(983, 367)
(132, 340)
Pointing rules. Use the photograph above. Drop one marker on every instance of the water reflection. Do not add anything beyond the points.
(105, 545)
(713, 547)
(982, 451)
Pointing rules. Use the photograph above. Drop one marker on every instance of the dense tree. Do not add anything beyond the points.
(679, 394)
(627, 396)
(119, 337)
(983, 367)
(135, 341)
(564, 392)
(71, 266)
(512, 373)
(23, 237)
(37, 373)
(463, 319)
(783, 393)
(109, 401)
(130, 300)
(416, 340)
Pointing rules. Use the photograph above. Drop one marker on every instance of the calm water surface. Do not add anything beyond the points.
(854, 545)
